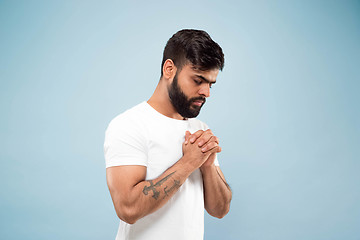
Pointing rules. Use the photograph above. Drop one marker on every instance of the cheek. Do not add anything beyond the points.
(191, 88)
(187, 87)
(191, 91)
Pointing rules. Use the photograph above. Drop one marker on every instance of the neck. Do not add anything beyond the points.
(160, 101)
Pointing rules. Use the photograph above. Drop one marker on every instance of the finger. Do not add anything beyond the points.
(187, 135)
(213, 150)
(219, 149)
(212, 139)
(209, 146)
(195, 136)
(206, 137)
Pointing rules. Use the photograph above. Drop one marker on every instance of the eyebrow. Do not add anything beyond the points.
(206, 80)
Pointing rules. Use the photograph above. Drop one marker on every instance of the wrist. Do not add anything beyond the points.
(207, 168)
(187, 165)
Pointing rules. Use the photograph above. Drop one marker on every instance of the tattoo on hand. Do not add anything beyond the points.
(153, 186)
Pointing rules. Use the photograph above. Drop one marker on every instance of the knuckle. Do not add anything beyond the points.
(199, 132)
(213, 144)
(208, 136)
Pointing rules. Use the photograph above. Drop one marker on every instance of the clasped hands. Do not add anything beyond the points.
(201, 147)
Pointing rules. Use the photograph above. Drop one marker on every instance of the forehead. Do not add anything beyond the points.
(192, 71)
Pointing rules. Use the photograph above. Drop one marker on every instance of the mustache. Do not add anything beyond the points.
(198, 98)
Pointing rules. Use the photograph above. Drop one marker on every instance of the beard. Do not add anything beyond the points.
(181, 103)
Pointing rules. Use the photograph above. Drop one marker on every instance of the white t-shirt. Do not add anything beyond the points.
(143, 136)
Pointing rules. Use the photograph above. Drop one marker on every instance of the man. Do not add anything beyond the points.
(162, 168)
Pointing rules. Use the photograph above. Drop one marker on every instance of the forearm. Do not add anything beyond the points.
(148, 196)
(217, 193)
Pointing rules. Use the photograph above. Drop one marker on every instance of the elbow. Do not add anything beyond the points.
(127, 218)
(223, 213)
(220, 216)
(219, 212)
(127, 215)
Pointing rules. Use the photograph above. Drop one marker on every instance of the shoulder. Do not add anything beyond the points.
(130, 119)
(126, 139)
(130, 122)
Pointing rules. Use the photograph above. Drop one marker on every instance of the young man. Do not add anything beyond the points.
(161, 163)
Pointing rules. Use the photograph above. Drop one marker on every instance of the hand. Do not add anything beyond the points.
(192, 153)
(206, 142)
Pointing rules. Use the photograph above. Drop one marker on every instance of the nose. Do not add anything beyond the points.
(205, 90)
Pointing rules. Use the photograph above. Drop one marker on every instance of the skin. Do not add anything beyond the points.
(133, 197)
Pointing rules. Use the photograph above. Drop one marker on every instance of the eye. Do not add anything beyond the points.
(197, 82)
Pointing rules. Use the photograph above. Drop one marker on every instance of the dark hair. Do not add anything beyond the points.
(196, 47)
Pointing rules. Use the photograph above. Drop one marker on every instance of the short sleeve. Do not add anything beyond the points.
(125, 143)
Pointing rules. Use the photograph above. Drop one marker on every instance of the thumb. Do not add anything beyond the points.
(187, 136)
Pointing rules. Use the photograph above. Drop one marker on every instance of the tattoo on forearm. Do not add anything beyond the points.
(174, 186)
(149, 188)
(153, 186)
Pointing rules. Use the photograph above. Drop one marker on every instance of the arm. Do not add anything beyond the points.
(217, 193)
(134, 198)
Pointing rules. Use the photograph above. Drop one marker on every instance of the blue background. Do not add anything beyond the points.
(286, 109)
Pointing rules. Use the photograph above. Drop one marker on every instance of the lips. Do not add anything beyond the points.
(198, 102)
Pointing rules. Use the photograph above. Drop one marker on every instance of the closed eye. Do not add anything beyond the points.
(197, 82)
(203, 79)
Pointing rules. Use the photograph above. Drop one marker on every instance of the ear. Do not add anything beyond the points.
(169, 69)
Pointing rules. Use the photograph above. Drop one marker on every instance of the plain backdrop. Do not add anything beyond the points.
(285, 107)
